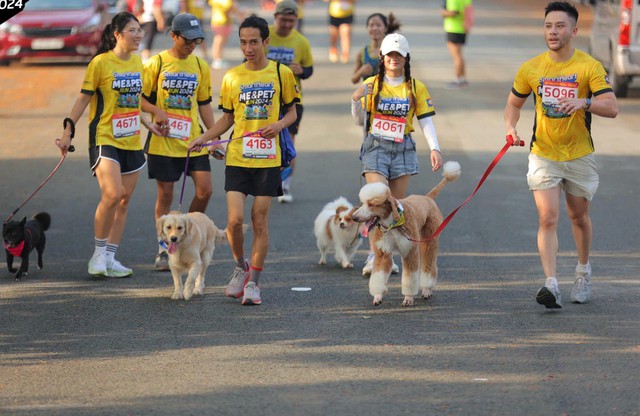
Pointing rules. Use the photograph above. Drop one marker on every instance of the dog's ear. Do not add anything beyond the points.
(188, 224)
(23, 222)
(160, 225)
(340, 209)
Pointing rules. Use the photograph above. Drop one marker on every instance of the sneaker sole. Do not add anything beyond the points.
(120, 276)
(546, 298)
(239, 295)
(250, 302)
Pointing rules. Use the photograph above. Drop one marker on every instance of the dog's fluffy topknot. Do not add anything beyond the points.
(451, 170)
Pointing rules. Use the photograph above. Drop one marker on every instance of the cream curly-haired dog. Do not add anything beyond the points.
(191, 239)
(415, 217)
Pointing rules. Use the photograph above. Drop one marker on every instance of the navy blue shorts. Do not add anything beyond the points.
(388, 158)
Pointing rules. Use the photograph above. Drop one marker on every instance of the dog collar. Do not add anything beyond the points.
(395, 224)
(16, 250)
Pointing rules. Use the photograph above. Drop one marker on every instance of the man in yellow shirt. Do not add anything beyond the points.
(569, 87)
(289, 47)
(250, 102)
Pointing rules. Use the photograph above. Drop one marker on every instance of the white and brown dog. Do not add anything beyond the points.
(415, 217)
(191, 239)
(334, 228)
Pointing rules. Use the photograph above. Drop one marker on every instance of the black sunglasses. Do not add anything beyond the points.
(197, 41)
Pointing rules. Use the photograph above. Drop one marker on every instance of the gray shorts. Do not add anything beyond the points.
(578, 177)
(388, 158)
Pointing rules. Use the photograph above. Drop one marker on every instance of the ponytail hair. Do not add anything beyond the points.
(390, 23)
(118, 23)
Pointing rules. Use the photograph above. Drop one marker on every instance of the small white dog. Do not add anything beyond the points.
(191, 239)
(335, 228)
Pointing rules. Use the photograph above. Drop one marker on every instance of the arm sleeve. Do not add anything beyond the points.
(429, 130)
(357, 112)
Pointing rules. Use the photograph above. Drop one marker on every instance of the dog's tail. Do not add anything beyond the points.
(221, 235)
(450, 173)
(44, 219)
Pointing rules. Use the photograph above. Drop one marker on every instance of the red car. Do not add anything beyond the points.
(54, 29)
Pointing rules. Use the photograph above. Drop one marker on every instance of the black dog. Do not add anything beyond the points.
(22, 237)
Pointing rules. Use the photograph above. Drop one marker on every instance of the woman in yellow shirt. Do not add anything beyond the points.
(340, 21)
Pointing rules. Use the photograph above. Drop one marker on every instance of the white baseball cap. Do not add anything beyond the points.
(395, 42)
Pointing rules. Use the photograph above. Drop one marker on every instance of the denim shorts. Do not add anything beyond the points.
(578, 177)
(390, 159)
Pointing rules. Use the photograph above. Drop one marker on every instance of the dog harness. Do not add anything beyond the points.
(15, 251)
(398, 223)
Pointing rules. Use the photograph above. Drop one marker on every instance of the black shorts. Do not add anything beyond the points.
(337, 21)
(130, 161)
(170, 169)
(293, 128)
(457, 38)
(253, 181)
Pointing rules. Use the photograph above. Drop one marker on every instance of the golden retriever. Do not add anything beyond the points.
(395, 221)
(191, 239)
(334, 228)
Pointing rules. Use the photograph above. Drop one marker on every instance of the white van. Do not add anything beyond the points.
(615, 40)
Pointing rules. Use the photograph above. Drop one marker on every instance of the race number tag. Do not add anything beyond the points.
(179, 127)
(257, 147)
(126, 124)
(388, 127)
(554, 90)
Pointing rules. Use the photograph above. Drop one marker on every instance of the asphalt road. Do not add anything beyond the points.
(71, 344)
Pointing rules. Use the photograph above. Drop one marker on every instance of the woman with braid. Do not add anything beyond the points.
(392, 100)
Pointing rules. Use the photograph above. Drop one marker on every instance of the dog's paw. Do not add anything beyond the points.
(408, 301)
(347, 265)
(188, 294)
(177, 296)
(198, 291)
(426, 294)
(377, 300)
(322, 261)
(12, 269)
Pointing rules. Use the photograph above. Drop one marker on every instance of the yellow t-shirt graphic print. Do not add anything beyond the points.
(558, 136)
(115, 86)
(254, 99)
(182, 86)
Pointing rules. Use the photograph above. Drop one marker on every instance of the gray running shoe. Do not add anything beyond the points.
(162, 261)
(239, 278)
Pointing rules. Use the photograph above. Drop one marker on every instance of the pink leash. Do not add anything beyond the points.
(510, 142)
(15, 211)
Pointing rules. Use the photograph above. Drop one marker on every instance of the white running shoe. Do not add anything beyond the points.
(394, 267)
(239, 277)
(286, 197)
(581, 290)
(251, 294)
(98, 264)
(116, 269)
(549, 296)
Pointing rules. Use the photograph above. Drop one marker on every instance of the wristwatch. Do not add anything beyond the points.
(587, 101)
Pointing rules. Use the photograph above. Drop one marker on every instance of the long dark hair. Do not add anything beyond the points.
(118, 23)
(407, 79)
(391, 23)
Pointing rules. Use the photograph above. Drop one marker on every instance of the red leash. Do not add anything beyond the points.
(510, 142)
(64, 155)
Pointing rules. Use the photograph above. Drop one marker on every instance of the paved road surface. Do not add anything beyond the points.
(70, 344)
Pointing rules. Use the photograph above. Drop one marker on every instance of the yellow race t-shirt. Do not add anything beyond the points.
(558, 136)
(341, 8)
(394, 104)
(182, 85)
(293, 48)
(115, 86)
(254, 99)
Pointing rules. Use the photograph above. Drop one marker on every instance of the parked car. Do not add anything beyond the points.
(54, 29)
(615, 40)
